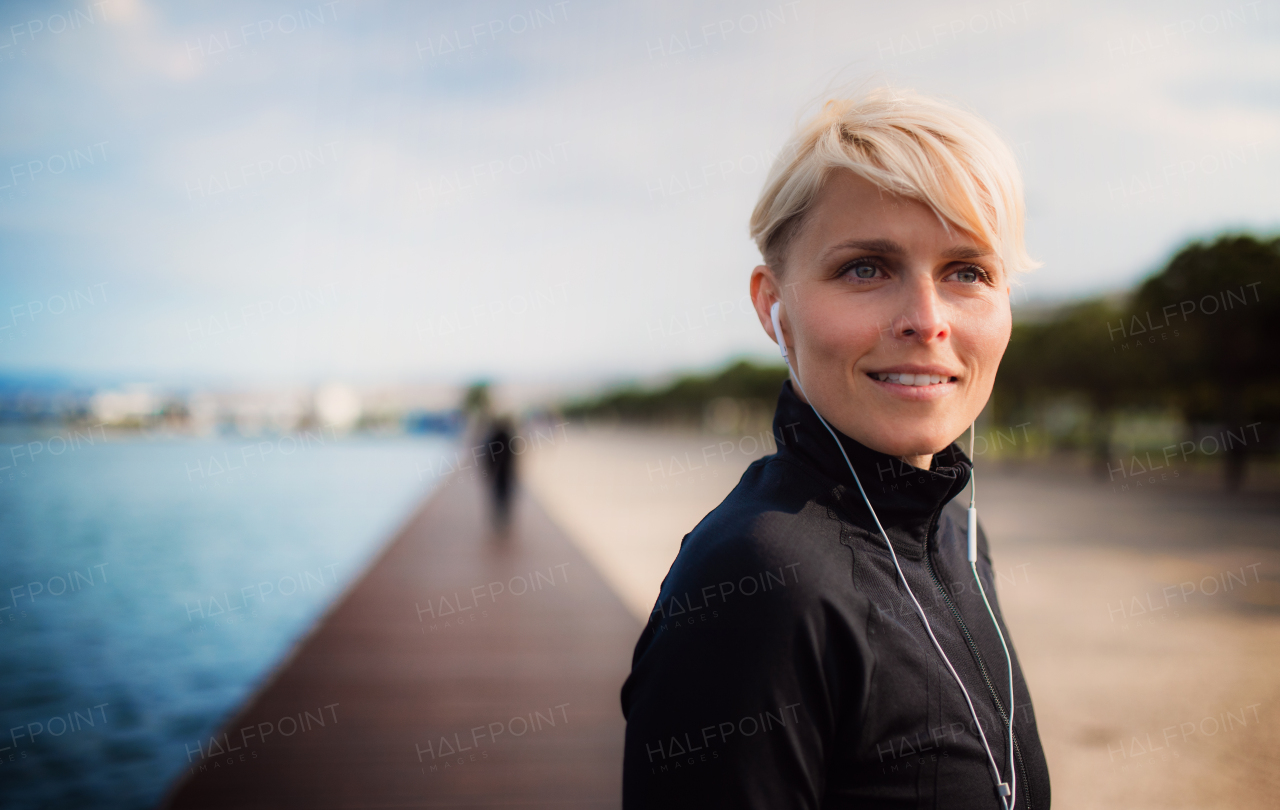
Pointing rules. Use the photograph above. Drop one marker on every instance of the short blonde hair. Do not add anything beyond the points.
(908, 144)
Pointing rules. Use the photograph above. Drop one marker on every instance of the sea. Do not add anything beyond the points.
(149, 584)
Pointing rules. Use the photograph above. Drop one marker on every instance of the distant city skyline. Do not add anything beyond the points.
(555, 192)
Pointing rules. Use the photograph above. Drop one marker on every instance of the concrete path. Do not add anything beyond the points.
(463, 670)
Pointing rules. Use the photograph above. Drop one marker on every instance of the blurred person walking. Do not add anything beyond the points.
(500, 463)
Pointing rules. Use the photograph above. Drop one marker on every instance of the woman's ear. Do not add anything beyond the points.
(765, 291)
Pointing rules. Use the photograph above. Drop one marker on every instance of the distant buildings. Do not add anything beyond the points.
(135, 405)
(261, 411)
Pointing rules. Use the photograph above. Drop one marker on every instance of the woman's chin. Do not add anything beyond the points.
(909, 445)
(903, 430)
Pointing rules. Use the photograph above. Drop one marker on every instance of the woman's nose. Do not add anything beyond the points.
(922, 316)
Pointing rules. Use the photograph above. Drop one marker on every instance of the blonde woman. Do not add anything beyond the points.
(829, 636)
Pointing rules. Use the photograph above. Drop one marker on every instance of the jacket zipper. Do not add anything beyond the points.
(973, 647)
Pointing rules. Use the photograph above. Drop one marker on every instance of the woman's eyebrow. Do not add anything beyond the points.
(892, 248)
(887, 246)
(965, 253)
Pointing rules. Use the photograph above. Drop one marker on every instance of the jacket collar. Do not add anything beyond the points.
(906, 499)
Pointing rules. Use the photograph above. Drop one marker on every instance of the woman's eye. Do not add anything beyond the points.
(969, 275)
(864, 271)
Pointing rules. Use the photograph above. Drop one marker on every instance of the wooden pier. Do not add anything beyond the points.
(464, 669)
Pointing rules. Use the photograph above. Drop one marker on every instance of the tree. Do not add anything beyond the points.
(1074, 352)
(685, 399)
(1222, 301)
(476, 401)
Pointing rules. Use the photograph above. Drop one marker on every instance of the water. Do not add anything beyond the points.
(147, 586)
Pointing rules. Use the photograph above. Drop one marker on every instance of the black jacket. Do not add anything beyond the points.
(784, 666)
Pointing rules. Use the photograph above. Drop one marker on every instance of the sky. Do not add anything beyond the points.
(394, 191)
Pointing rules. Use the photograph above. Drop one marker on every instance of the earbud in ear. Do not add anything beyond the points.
(777, 332)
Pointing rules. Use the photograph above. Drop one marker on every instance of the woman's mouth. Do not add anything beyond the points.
(912, 379)
(918, 384)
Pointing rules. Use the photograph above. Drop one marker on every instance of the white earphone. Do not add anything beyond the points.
(1005, 790)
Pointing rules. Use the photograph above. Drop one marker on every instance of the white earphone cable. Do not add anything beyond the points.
(1008, 659)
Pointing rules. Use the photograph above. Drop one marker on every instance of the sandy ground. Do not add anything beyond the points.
(1147, 617)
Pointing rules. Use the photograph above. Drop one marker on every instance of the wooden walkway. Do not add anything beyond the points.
(463, 670)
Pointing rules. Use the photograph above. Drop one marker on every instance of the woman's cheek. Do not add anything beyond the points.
(840, 338)
(852, 334)
(984, 335)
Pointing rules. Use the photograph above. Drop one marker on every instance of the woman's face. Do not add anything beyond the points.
(895, 322)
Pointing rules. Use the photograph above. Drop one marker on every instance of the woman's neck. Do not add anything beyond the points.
(919, 462)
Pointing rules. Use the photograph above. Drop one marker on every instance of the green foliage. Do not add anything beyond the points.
(1196, 334)
(1223, 299)
(1071, 353)
(1200, 336)
(686, 399)
(476, 400)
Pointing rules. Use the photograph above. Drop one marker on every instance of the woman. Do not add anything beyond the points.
(822, 639)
